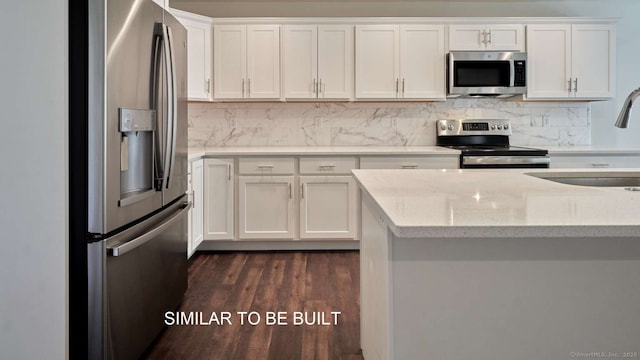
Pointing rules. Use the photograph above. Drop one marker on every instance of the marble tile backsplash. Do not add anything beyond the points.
(380, 123)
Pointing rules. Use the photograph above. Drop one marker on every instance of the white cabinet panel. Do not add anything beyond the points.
(377, 61)
(571, 61)
(327, 165)
(266, 207)
(246, 61)
(593, 60)
(417, 162)
(263, 61)
(548, 61)
(328, 207)
(230, 61)
(266, 166)
(507, 37)
(422, 62)
(300, 61)
(218, 200)
(594, 161)
(197, 210)
(400, 61)
(199, 62)
(335, 61)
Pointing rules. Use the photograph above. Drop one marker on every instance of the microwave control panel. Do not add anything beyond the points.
(519, 76)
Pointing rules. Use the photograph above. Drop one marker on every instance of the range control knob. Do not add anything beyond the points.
(451, 127)
(493, 127)
(499, 127)
(443, 127)
(506, 126)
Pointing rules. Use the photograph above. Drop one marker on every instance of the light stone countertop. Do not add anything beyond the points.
(195, 153)
(498, 203)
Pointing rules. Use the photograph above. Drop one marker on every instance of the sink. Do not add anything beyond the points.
(628, 179)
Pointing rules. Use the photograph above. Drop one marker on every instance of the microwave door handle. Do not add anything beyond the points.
(512, 73)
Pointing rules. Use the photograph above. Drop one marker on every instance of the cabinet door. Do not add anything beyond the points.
(300, 61)
(263, 61)
(230, 61)
(265, 207)
(593, 60)
(507, 37)
(218, 199)
(467, 37)
(377, 61)
(422, 62)
(328, 207)
(198, 59)
(335, 61)
(197, 211)
(548, 61)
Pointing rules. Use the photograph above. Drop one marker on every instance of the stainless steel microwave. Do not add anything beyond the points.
(487, 73)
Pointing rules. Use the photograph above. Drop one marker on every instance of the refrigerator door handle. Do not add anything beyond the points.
(173, 102)
(155, 89)
(170, 136)
(140, 240)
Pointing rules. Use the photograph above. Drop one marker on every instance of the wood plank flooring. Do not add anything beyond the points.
(268, 281)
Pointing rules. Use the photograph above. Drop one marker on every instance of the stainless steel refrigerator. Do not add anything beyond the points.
(136, 174)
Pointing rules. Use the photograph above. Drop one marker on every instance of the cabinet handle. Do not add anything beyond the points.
(289, 190)
(302, 190)
(249, 87)
(410, 166)
(570, 79)
(229, 171)
(243, 88)
(600, 165)
(265, 167)
(575, 85)
(193, 193)
(326, 167)
(402, 86)
(315, 87)
(489, 33)
(484, 38)
(208, 86)
(320, 88)
(397, 86)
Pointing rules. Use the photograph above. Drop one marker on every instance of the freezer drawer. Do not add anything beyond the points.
(144, 275)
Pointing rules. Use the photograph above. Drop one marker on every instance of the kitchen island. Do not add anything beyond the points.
(497, 264)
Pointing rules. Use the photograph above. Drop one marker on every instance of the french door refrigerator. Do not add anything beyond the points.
(135, 170)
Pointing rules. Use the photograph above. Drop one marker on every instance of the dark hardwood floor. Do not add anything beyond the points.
(268, 281)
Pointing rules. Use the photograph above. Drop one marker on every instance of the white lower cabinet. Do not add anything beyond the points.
(265, 206)
(196, 217)
(328, 207)
(595, 161)
(218, 199)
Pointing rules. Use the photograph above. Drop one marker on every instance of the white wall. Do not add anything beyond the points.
(33, 187)
(603, 113)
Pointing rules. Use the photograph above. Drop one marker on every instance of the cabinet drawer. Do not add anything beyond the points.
(327, 165)
(406, 162)
(582, 161)
(266, 165)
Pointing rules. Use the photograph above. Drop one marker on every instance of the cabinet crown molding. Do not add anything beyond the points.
(416, 20)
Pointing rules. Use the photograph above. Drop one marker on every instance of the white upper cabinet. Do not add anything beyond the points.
(199, 46)
(246, 61)
(400, 62)
(508, 37)
(571, 61)
(318, 61)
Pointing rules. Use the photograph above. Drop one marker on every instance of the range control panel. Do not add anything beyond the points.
(473, 127)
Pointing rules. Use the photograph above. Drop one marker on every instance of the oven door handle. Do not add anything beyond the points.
(505, 160)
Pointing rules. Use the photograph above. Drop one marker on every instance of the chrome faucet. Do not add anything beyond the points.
(623, 118)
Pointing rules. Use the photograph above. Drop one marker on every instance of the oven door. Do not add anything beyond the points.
(503, 162)
(483, 73)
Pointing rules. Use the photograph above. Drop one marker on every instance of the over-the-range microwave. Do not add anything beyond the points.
(487, 73)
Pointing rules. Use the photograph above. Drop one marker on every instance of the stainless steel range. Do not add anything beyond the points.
(485, 144)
